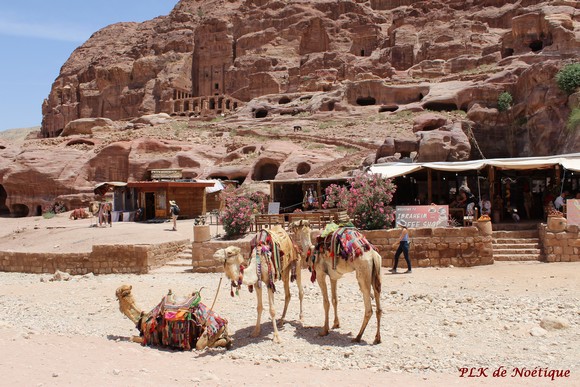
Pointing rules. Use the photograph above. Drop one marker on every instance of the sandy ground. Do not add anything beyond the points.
(435, 322)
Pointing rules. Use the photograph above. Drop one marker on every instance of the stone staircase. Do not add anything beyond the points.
(516, 245)
(181, 264)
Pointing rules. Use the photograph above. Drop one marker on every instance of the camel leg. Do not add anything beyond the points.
(377, 292)
(300, 289)
(321, 278)
(273, 315)
(364, 282)
(287, 296)
(259, 309)
(334, 294)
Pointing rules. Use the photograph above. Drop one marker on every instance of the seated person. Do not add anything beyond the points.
(485, 206)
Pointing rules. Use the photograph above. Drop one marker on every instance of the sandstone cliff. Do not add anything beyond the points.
(216, 88)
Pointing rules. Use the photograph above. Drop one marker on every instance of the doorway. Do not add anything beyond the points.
(149, 205)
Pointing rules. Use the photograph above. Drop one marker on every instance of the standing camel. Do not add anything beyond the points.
(273, 256)
(343, 251)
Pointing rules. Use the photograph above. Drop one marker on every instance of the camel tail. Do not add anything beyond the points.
(376, 273)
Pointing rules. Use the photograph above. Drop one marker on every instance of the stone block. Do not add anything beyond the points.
(565, 258)
(558, 250)
(421, 232)
(423, 262)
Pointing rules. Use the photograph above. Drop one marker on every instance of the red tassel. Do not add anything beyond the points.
(313, 276)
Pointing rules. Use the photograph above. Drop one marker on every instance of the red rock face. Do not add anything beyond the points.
(258, 61)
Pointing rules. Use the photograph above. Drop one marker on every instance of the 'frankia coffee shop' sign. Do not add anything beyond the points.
(423, 216)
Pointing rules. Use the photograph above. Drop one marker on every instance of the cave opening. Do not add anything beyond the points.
(388, 108)
(303, 168)
(366, 101)
(440, 106)
(260, 113)
(265, 171)
(4, 210)
(536, 45)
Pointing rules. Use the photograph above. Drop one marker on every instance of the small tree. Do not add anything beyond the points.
(504, 101)
(237, 214)
(568, 78)
(366, 201)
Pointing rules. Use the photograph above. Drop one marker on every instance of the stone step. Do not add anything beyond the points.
(515, 234)
(515, 251)
(172, 270)
(517, 257)
(180, 262)
(185, 255)
(515, 241)
(517, 246)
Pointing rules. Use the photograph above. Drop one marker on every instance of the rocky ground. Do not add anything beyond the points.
(435, 322)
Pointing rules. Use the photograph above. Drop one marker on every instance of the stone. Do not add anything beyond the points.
(552, 323)
(538, 332)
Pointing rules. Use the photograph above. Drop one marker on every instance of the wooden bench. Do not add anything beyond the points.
(314, 218)
(267, 220)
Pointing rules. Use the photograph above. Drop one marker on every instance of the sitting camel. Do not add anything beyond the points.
(182, 324)
(274, 256)
(343, 251)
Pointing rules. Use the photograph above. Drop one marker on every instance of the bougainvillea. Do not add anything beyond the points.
(238, 209)
(366, 201)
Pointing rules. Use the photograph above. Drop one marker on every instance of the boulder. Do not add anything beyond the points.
(445, 144)
(152, 119)
(87, 126)
(428, 121)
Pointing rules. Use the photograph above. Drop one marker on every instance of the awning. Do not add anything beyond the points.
(218, 186)
(569, 161)
(103, 188)
(394, 170)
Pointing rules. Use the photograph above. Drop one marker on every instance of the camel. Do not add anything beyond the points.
(325, 259)
(199, 326)
(264, 266)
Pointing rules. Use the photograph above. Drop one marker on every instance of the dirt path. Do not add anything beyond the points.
(435, 322)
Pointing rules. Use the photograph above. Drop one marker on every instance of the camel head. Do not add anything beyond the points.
(233, 261)
(301, 231)
(127, 304)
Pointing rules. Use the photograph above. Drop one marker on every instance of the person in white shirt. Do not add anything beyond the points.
(560, 201)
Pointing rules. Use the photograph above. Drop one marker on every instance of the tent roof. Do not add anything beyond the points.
(568, 161)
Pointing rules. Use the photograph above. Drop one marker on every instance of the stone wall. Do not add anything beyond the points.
(458, 246)
(203, 260)
(560, 246)
(103, 259)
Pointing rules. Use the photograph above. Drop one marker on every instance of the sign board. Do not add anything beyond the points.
(573, 211)
(168, 173)
(423, 216)
(274, 208)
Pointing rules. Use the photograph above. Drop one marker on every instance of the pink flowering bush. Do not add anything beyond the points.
(260, 199)
(366, 201)
(238, 209)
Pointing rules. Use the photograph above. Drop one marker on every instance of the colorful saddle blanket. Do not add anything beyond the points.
(345, 242)
(179, 324)
(276, 241)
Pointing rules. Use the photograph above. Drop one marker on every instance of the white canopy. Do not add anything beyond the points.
(569, 161)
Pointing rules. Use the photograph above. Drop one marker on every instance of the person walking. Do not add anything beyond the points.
(174, 210)
(403, 248)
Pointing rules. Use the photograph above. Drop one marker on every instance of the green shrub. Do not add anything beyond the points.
(574, 120)
(48, 215)
(504, 101)
(568, 78)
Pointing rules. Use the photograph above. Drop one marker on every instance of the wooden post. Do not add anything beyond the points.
(491, 180)
(439, 189)
(429, 186)
(557, 177)
(319, 194)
